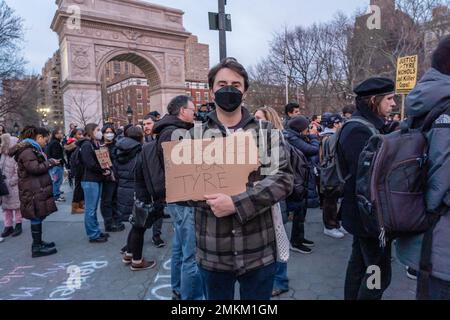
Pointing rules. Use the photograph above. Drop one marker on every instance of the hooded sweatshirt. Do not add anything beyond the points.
(433, 91)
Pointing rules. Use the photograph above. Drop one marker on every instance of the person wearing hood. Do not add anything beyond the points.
(35, 185)
(163, 129)
(431, 97)
(374, 102)
(235, 234)
(298, 136)
(75, 173)
(11, 202)
(92, 181)
(126, 154)
(108, 206)
(185, 276)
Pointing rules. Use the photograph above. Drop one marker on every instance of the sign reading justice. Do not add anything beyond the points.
(195, 168)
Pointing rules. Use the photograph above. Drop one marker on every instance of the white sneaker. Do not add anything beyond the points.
(334, 233)
(342, 230)
(1, 239)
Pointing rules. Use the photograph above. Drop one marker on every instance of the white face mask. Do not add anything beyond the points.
(109, 136)
(98, 135)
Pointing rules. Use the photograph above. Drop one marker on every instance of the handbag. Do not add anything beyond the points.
(281, 237)
(144, 215)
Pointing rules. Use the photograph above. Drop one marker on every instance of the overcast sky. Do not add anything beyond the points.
(254, 23)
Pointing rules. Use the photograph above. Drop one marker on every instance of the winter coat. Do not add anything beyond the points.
(433, 91)
(244, 241)
(309, 146)
(127, 153)
(35, 184)
(55, 150)
(352, 141)
(92, 171)
(8, 167)
(163, 130)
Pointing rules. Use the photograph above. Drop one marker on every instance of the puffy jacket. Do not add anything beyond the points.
(35, 183)
(8, 167)
(433, 91)
(309, 146)
(126, 155)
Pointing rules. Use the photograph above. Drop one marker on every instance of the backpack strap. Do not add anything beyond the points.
(433, 115)
(361, 121)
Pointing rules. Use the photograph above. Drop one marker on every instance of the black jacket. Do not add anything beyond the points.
(309, 146)
(163, 130)
(127, 152)
(352, 141)
(92, 171)
(55, 150)
(112, 148)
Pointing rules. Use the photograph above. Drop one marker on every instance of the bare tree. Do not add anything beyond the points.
(11, 34)
(297, 53)
(79, 108)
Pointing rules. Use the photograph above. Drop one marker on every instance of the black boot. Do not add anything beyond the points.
(39, 248)
(7, 232)
(17, 230)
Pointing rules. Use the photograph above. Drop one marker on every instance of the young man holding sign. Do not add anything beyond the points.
(235, 234)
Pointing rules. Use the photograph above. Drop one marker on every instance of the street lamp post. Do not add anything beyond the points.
(129, 114)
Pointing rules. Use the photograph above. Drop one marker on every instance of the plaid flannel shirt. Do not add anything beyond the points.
(245, 240)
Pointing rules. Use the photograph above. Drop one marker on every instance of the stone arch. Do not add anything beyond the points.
(150, 36)
(143, 61)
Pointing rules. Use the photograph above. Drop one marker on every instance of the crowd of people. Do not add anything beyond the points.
(226, 239)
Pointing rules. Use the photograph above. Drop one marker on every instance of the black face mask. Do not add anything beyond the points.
(228, 98)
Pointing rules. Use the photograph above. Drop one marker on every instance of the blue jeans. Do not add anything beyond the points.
(281, 280)
(36, 221)
(57, 174)
(254, 285)
(185, 276)
(92, 193)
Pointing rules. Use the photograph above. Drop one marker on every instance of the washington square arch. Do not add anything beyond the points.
(94, 32)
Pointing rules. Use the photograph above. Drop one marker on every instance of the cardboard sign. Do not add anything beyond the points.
(195, 168)
(103, 158)
(406, 74)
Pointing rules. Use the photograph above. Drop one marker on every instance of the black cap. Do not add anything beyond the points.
(375, 87)
(154, 113)
(298, 123)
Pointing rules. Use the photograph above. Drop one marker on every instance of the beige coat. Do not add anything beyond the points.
(8, 167)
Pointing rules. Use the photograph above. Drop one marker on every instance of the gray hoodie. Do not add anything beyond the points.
(433, 91)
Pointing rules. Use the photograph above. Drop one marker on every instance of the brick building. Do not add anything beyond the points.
(197, 68)
(126, 85)
(131, 91)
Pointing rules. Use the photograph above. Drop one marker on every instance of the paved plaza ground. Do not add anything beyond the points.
(317, 276)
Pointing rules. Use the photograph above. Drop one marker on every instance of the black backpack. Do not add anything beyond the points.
(332, 176)
(155, 180)
(75, 159)
(300, 169)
